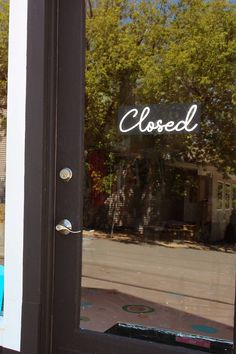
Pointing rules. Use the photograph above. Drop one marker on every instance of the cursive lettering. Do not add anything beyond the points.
(132, 121)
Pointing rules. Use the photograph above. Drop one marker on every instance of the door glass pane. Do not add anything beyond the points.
(159, 206)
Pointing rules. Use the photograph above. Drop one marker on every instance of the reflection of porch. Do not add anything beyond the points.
(162, 201)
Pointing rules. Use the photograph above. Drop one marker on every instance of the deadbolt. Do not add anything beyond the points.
(66, 174)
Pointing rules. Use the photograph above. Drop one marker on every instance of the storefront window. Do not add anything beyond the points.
(154, 246)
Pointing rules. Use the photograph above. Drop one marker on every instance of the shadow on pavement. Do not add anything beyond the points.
(129, 238)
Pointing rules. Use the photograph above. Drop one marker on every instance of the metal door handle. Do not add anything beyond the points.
(65, 228)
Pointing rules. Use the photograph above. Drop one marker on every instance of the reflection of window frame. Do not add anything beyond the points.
(226, 189)
(221, 205)
(233, 196)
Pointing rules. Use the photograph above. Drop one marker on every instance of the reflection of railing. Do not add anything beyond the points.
(171, 232)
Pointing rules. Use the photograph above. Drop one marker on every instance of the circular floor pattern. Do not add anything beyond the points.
(204, 329)
(137, 308)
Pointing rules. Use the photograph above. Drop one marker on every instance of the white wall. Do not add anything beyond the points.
(11, 327)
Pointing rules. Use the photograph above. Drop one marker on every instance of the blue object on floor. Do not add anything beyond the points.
(204, 329)
(85, 305)
(1, 288)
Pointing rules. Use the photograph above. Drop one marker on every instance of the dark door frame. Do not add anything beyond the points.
(55, 90)
(67, 335)
(39, 178)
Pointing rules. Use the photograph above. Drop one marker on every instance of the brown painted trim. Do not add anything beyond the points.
(39, 178)
(31, 307)
(69, 196)
(67, 337)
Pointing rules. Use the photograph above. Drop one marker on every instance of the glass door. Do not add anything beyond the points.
(159, 178)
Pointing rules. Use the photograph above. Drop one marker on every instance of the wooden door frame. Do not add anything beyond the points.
(48, 41)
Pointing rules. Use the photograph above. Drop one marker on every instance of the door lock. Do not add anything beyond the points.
(65, 228)
(66, 174)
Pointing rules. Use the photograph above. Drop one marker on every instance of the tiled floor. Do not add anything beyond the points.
(102, 308)
(185, 290)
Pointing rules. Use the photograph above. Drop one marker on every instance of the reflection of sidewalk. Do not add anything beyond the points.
(137, 239)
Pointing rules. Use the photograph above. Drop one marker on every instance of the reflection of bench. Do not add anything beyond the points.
(1, 288)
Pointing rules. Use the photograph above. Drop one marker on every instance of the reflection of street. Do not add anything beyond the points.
(187, 288)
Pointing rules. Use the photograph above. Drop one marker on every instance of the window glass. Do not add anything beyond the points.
(159, 239)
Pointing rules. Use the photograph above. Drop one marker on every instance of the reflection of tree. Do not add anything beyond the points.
(151, 52)
(145, 191)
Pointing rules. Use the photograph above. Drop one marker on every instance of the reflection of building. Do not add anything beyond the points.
(162, 200)
(215, 199)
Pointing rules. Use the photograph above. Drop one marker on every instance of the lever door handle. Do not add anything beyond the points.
(65, 228)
